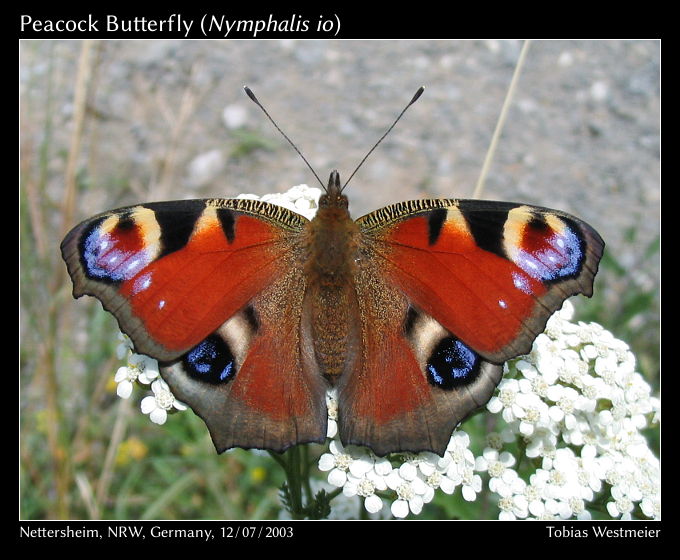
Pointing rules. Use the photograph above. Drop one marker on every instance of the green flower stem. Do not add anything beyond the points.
(295, 482)
(279, 459)
(297, 493)
(334, 493)
(305, 465)
(297, 478)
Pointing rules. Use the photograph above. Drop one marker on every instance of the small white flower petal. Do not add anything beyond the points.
(382, 466)
(337, 477)
(447, 485)
(359, 467)
(124, 389)
(399, 508)
(408, 471)
(416, 504)
(121, 374)
(393, 480)
(373, 504)
(469, 495)
(158, 416)
(326, 462)
(148, 404)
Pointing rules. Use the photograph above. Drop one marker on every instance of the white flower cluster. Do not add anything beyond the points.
(572, 411)
(412, 482)
(300, 199)
(144, 370)
(578, 407)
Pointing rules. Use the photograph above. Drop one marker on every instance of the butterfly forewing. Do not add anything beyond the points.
(492, 273)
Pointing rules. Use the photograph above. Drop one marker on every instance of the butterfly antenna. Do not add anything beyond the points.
(254, 99)
(418, 93)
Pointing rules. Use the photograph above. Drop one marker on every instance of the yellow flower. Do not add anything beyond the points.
(131, 449)
(258, 474)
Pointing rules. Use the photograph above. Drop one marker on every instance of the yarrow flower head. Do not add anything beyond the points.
(141, 369)
(580, 420)
(160, 403)
(337, 463)
(300, 199)
(144, 370)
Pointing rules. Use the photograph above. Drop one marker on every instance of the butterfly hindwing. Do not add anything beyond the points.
(249, 382)
(414, 382)
(204, 287)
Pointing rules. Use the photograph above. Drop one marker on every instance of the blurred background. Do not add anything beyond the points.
(105, 124)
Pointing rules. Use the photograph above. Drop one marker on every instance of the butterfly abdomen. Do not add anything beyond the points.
(331, 309)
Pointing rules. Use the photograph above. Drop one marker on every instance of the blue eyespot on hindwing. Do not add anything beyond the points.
(211, 361)
(452, 364)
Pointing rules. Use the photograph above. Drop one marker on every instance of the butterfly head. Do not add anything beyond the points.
(333, 197)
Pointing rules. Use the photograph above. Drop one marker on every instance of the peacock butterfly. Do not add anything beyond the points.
(253, 311)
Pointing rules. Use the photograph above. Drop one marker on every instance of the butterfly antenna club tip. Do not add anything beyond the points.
(415, 97)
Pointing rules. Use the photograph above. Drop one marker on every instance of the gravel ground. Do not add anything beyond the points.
(166, 119)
